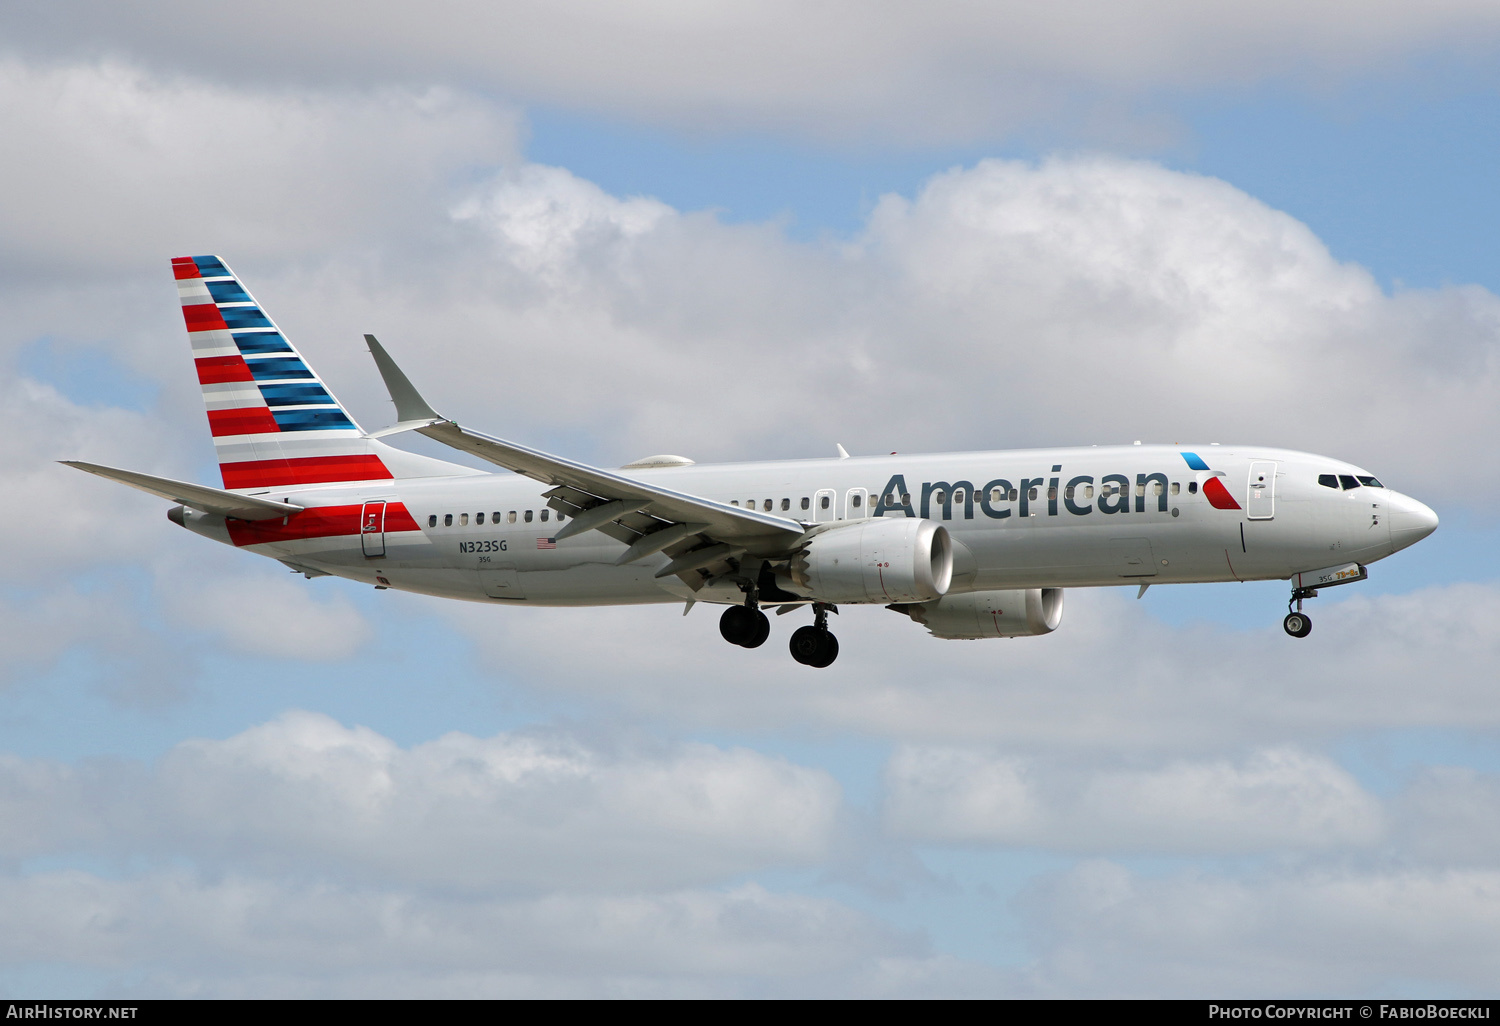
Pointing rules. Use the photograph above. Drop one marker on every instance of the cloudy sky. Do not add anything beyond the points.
(736, 231)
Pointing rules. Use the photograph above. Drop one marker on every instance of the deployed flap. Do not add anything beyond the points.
(721, 522)
(200, 497)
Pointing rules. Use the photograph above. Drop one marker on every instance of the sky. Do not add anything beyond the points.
(738, 232)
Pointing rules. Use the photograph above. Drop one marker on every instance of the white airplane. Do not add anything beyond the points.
(970, 545)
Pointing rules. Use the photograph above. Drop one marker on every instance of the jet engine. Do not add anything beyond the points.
(990, 614)
(880, 560)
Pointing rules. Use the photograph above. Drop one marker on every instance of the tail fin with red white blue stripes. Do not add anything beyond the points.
(274, 423)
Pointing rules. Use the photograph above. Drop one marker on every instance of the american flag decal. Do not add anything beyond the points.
(546, 543)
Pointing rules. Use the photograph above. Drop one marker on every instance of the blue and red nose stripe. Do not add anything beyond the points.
(1213, 489)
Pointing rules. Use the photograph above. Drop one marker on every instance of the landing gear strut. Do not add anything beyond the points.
(745, 625)
(815, 645)
(1297, 623)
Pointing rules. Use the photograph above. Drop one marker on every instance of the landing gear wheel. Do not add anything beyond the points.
(812, 646)
(762, 630)
(737, 624)
(748, 628)
(829, 652)
(1298, 625)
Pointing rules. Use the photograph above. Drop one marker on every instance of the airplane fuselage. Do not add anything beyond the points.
(1077, 517)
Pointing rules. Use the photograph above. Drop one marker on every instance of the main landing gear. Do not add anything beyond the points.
(748, 627)
(1297, 623)
(745, 626)
(815, 645)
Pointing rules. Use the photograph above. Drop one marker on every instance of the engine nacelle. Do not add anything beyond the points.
(991, 614)
(881, 560)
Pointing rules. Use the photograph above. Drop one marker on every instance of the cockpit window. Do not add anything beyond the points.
(1348, 481)
(1328, 480)
(1369, 482)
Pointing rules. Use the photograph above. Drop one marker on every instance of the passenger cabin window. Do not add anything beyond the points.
(1328, 480)
(854, 500)
(479, 518)
(786, 504)
(447, 519)
(1015, 494)
(806, 502)
(1088, 491)
(545, 514)
(767, 507)
(997, 495)
(1369, 482)
(734, 502)
(1348, 481)
(510, 518)
(1176, 487)
(1192, 487)
(939, 496)
(1051, 492)
(463, 520)
(495, 517)
(432, 520)
(823, 501)
(526, 516)
(1031, 494)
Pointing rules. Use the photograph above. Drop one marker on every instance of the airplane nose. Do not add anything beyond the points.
(1411, 521)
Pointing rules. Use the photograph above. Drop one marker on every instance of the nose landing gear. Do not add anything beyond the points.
(1297, 623)
(815, 645)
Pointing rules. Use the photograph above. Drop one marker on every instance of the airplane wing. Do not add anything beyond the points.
(200, 497)
(623, 507)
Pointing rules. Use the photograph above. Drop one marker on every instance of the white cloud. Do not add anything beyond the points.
(264, 612)
(485, 815)
(935, 72)
(1278, 799)
(107, 167)
(1103, 931)
(182, 935)
(1450, 816)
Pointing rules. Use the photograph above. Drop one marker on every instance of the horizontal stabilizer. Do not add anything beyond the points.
(199, 497)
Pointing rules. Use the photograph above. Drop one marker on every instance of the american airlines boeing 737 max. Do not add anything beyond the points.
(970, 545)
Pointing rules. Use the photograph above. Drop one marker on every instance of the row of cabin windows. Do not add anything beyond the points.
(856, 500)
(824, 501)
(1348, 482)
(996, 495)
(510, 518)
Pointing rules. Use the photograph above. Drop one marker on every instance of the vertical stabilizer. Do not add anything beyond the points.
(274, 422)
